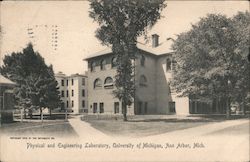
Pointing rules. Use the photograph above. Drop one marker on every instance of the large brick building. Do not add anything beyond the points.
(73, 91)
(153, 69)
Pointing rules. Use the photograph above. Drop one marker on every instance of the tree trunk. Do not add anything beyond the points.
(124, 108)
(50, 113)
(228, 109)
(41, 111)
(243, 108)
(24, 112)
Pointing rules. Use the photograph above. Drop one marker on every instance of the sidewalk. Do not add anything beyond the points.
(84, 129)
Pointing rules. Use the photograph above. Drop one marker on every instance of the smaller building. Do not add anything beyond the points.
(73, 91)
(6, 99)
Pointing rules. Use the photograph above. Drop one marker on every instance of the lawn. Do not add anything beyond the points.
(31, 128)
(144, 127)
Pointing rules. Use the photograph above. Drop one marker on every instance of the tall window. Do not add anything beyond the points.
(101, 107)
(143, 60)
(92, 66)
(168, 64)
(108, 83)
(114, 62)
(97, 83)
(102, 64)
(116, 107)
(67, 82)
(62, 93)
(83, 92)
(67, 103)
(72, 92)
(83, 81)
(143, 81)
(72, 81)
(62, 82)
(72, 103)
(95, 107)
(83, 103)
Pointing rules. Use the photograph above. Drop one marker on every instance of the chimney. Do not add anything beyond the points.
(155, 40)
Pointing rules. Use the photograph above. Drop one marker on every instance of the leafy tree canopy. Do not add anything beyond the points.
(36, 84)
(212, 58)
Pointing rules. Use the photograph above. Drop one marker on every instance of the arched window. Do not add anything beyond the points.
(168, 64)
(102, 64)
(97, 83)
(92, 66)
(143, 81)
(143, 60)
(108, 83)
(114, 62)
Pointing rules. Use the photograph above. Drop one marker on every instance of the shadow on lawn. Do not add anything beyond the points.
(46, 117)
(193, 118)
(172, 120)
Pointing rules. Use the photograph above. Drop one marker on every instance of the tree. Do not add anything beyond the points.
(36, 84)
(121, 23)
(212, 59)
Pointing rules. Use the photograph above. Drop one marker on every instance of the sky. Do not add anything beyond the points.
(76, 30)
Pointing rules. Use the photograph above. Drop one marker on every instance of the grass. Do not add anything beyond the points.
(147, 127)
(53, 128)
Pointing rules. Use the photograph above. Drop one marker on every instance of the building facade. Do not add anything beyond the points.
(73, 91)
(153, 72)
(154, 66)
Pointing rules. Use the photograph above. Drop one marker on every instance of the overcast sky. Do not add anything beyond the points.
(76, 31)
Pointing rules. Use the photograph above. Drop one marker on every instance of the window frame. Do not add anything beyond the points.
(94, 84)
(143, 81)
(102, 64)
(108, 85)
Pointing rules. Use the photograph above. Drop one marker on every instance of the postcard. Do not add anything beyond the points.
(124, 80)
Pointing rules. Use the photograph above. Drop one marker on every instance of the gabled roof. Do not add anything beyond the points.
(162, 48)
(5, 81)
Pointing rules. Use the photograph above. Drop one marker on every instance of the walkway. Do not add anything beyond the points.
(85, 130)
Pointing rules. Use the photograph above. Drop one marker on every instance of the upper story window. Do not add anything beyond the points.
(62, 82)
(67, 93)
(72, 93)
(83, 92)
(168, 64)
(92, 66)
(67, 82)
(72, 81)
(143, 81)
(108, 83)
(97, 83)
(114, 62)
(83, 103)
(143, 59)
(83, 81)
(102, 64)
